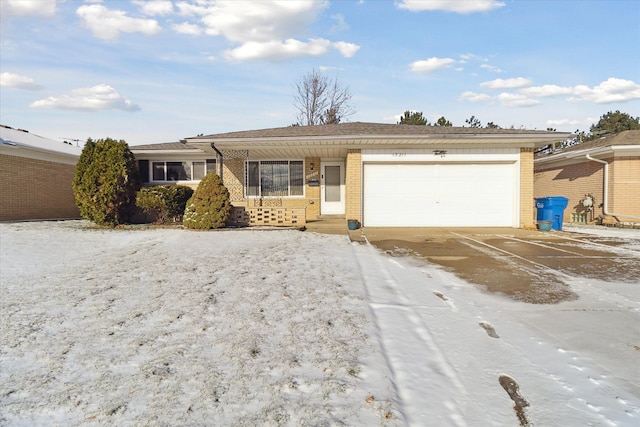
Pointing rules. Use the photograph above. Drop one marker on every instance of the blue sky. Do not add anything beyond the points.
(159, 71)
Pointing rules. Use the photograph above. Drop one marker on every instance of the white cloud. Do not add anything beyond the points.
(491, 68)
(466, 57)
(187, 28)
(96, 98)
(609, 91)
(263, 21)
(457, 6)
(547, 90)
(431, 64)
(43, 8)
(18, 81)
(108, 24)
(516, 100)
(506, 99)
(340, 24)
(346, 49)
(612, 90)
(155, 7)
(276, 50)
(266, 30)
(565, 122)
(474, 97)
(513, 83)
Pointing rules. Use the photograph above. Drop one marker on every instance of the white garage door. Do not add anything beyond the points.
(439, 195)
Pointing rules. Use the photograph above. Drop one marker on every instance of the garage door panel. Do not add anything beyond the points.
(438, 195)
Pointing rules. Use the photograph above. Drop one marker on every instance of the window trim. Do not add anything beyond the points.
(259, 195)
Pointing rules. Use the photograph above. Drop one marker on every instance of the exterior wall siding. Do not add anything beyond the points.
(36, 189)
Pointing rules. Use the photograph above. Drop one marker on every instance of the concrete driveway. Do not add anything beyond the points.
(526, 265)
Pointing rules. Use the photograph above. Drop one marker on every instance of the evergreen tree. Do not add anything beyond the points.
(443, 122)
(413, 118)
(210, 205)
(614, 122)
(473, 122)
(104, 183)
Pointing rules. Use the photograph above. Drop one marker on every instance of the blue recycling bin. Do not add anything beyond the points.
(551, 208)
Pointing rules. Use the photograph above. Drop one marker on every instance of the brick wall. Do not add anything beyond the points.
(353, 184)
(624, 186)
(527, 214)
(312, 201)
(36, 189)
(573, 181)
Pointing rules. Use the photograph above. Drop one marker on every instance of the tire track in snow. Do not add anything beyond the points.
(395, 318)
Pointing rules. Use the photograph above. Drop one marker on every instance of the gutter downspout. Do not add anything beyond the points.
(220, 157)
(605, 206)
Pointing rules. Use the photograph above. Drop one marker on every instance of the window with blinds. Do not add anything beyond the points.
(274, 178)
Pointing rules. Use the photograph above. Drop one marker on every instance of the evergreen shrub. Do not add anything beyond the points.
(209, 207)
(105, 184)
(165, 203)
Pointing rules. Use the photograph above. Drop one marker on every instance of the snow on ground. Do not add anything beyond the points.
(246, 327)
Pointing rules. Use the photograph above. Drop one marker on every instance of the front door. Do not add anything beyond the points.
(332, 188)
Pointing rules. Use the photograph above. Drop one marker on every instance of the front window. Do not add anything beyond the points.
(274, 178)
(182, 171)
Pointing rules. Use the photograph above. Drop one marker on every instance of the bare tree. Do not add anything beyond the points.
(321, 100)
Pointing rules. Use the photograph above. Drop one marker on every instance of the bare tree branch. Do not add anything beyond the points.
(321, 100)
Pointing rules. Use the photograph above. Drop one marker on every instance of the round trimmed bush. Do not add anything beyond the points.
(209, 207)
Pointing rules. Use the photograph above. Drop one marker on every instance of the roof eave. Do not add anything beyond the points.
(348, 140)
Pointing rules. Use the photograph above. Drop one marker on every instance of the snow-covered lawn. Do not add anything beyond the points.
(259, 327)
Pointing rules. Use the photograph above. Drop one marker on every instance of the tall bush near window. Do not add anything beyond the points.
(210, 205)
(104, 184)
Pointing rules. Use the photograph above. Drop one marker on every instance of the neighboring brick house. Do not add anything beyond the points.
(578, 173)
(379, 174)
(37, 176)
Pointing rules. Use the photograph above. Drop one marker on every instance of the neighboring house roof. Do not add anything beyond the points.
(18, 139)
(163, 146)
(624, 143)
(21, 143)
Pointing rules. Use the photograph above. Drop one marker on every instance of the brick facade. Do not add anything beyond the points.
(353, 184)
(36, 189)
(624, 186)
(527, 212)
(579, 178)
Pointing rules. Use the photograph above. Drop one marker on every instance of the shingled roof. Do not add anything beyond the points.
(362, 129)
(164, 146)
(627, 137)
